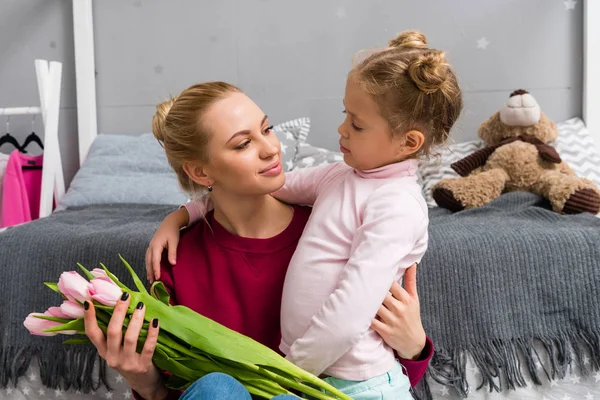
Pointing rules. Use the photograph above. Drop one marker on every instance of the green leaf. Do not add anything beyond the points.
(138, 283)
(115, 279)
(54, 319)
(159, 292)
(74, 325)
(81, 340)
(212, 338)
(87, 273)
(198, 345)
(53, 286)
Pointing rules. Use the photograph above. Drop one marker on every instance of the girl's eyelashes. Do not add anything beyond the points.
(353, 125)
(268, 129)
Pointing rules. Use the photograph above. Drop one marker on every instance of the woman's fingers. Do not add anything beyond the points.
(384, 314)
(410, 281)
(150, 344)
(92, 330)
(397, 294)
(114, 333)
(379, 327)
(133, 330)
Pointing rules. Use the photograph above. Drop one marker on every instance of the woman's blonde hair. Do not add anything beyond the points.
(177, 124)
(414, 87)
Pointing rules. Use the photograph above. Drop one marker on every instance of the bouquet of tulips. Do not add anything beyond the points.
(189, 344)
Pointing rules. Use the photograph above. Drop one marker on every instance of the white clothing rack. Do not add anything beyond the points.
(20, 111)
(48, 80)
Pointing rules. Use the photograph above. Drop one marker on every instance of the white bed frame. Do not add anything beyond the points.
(86, 81)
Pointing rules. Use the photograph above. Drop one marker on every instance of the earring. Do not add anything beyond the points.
(209, 188)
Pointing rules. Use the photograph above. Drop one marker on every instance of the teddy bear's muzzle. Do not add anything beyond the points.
(520, 110)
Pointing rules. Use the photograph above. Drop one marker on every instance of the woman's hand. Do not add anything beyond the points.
(120, 354)
(398, 320)
(165, 237)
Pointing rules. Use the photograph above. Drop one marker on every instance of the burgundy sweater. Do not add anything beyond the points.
(238, 281)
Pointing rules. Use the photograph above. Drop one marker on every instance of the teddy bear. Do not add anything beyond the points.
(517, 158)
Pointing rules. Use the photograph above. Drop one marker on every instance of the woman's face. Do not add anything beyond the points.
(244, 155)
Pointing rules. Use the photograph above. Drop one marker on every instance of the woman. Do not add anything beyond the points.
(232, 267)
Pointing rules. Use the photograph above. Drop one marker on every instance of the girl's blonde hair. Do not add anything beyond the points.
(177, 124)
(414, 87)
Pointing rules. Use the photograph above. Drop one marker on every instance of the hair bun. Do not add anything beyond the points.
(159, 120)
(409, 40)
(429, 71)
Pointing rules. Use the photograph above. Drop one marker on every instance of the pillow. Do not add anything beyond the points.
(578, 149)
(574, 145)
(291, 135)
(134, 169)
(124, 169)
(310, 156)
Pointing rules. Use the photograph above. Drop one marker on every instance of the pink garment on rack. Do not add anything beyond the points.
(3, 162)
(21, 189)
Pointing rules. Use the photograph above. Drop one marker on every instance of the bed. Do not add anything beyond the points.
(100, 216)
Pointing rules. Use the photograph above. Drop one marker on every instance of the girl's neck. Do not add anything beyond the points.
(252, 216)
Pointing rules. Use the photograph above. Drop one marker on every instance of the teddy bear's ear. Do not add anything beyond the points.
(545, 130)
(492, 130)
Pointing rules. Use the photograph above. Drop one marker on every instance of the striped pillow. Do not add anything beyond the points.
(574, 144)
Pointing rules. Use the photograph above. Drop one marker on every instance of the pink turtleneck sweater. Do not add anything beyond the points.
(365, 229)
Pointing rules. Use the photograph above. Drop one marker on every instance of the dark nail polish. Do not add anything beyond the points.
(125, 296)
(86, 305)
(140, 305)
(155, 323)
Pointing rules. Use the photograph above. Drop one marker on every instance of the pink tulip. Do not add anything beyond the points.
(107, 293)
(36, 326)
(57, 312)
(71, 309)
(73, 286)
(100, 274)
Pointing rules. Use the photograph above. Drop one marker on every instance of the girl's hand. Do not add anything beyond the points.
(398, 320)
(165, 237)
(120, 353)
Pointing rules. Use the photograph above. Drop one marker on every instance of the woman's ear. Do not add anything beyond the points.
(195, 171)
(412, 141)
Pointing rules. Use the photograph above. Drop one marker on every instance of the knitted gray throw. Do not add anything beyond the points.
(494, 281)
(39, 252)
(499, 278)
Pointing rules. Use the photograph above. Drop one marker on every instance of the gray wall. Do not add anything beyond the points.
(291, 56)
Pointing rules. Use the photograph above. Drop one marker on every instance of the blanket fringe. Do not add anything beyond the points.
(502, 363)
(67, 367)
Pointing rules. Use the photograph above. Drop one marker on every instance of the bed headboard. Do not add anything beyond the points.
(495, 60)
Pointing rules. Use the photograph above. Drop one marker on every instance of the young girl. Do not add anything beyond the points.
(369, 220)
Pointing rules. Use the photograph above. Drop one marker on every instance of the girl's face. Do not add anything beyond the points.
(243, 152)
(366, 139)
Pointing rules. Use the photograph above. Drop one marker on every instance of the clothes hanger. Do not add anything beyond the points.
(8, 138)
(32, 138)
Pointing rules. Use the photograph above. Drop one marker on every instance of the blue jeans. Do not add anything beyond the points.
(219, 386)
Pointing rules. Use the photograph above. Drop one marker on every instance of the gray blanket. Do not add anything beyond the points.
(38, 252)
(498, 278)
(493, 281)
